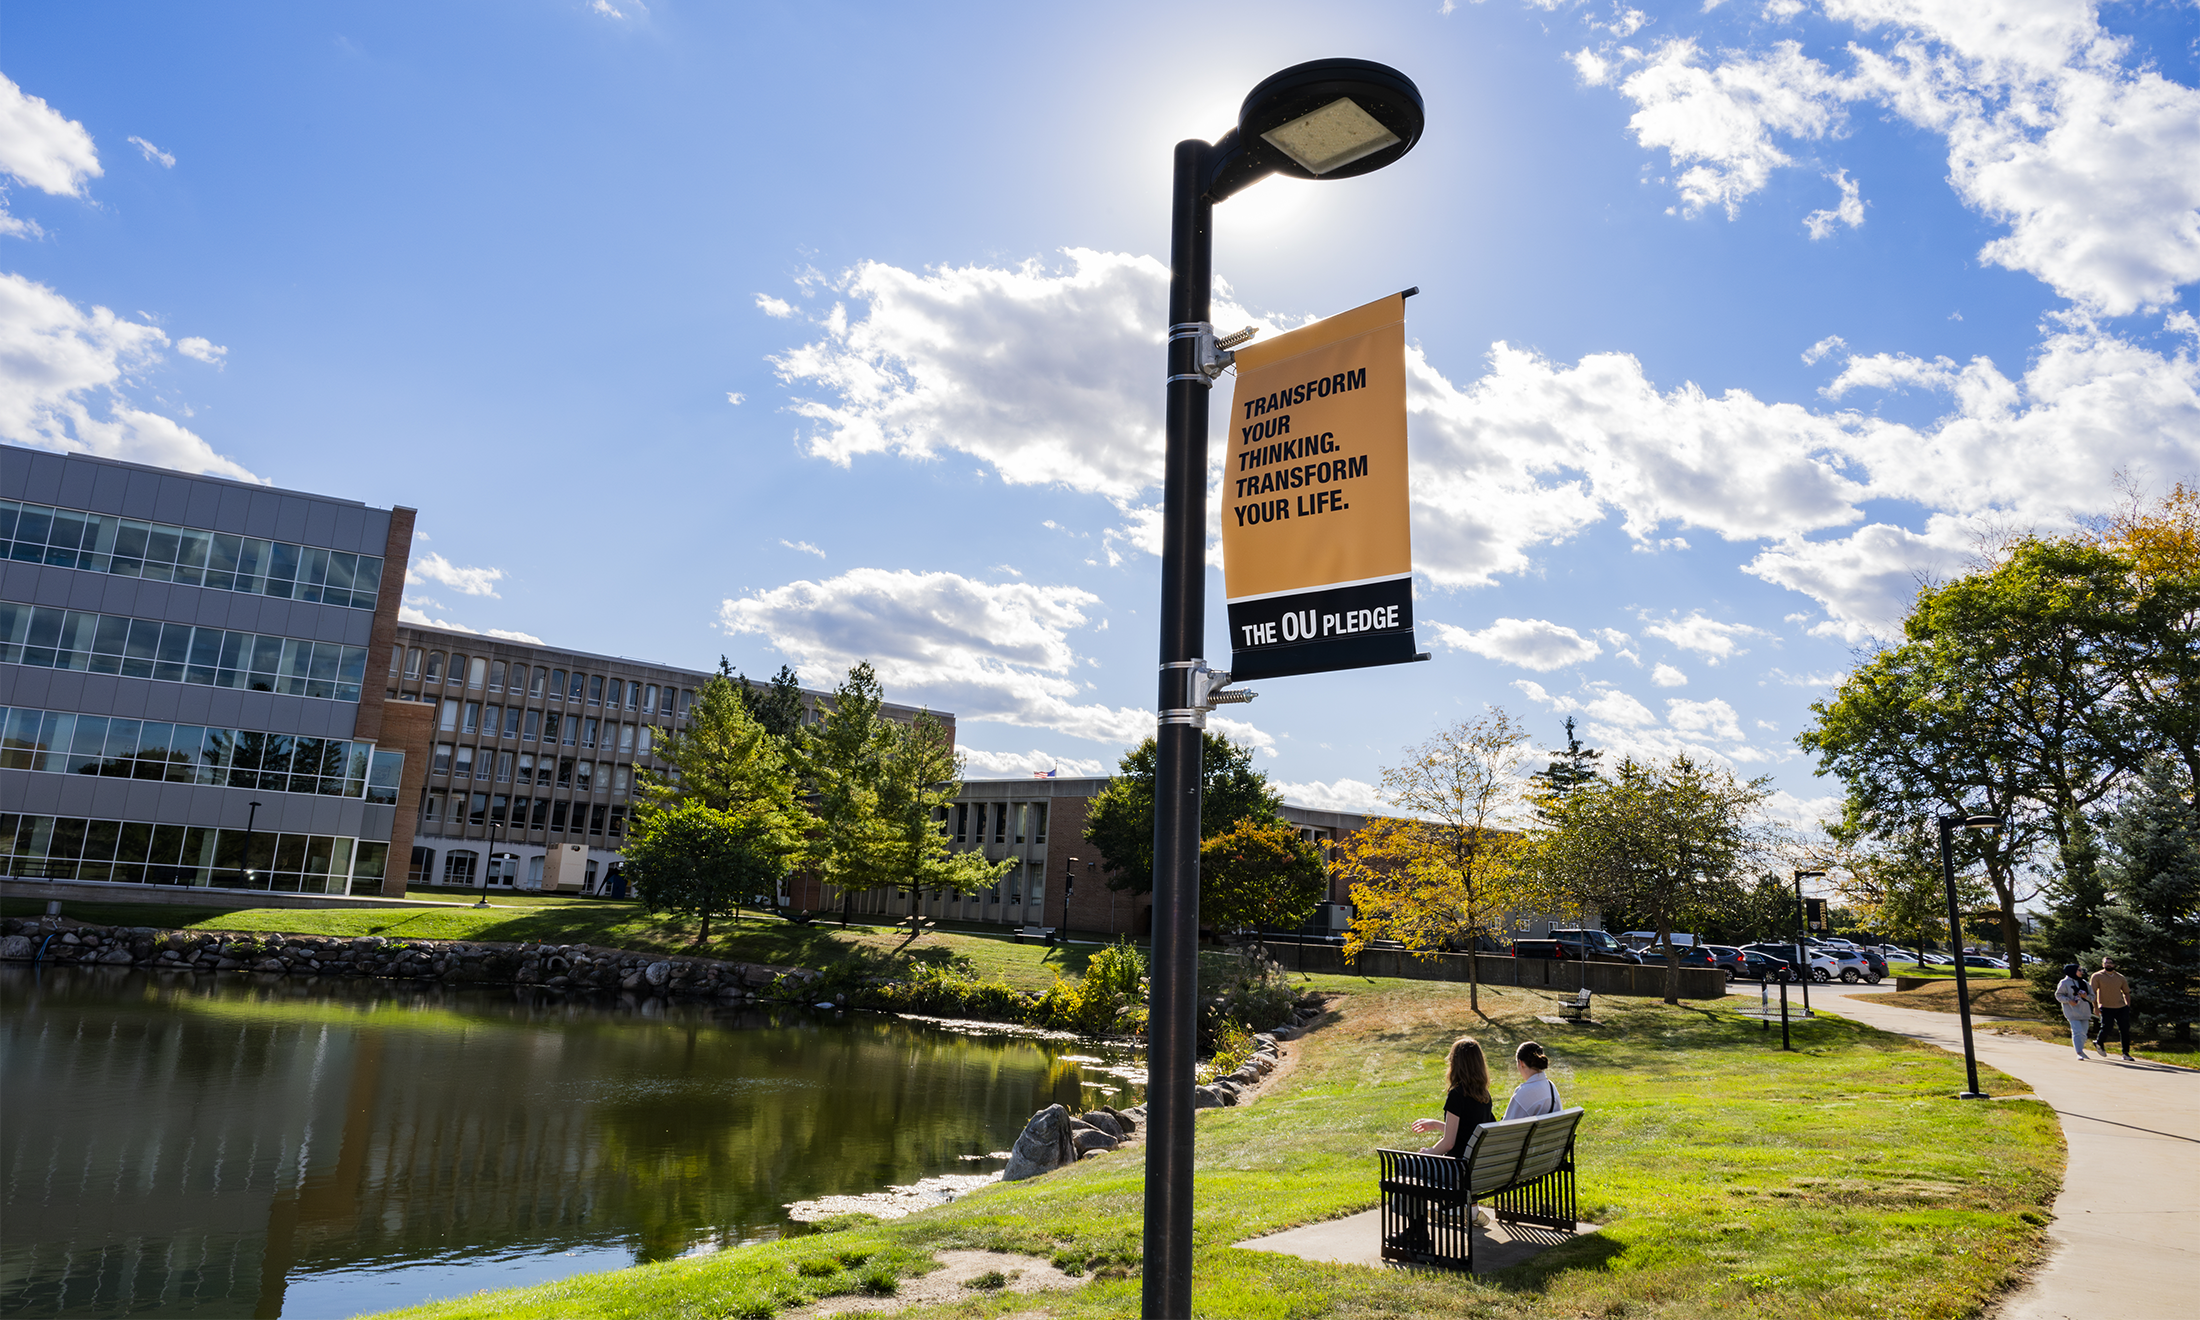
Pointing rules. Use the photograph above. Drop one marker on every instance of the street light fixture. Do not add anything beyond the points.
(1802, 950)
(251, 819)
(1948, 826)
(1328, 119)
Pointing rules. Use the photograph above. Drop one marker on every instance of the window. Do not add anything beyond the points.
(433, 812)
(962, 822)
(1039, 822)
(496, 676)
(462, 763)
(473, 718)
(526, 768)
(618, 821)
(633, 694)
(442, 758)
(458, 669)
(534, 689)
(687, 698)
(1000, 822)
(482, 763)
(498, 809)
(618, 779)
(557, 814)
(534, 726)
(588, 733)
(1018, 810)
(626, 740)
(435, 667)
(572, 728)
(565, 772)
(557, 685)
(664, 702)
(491, 719)
(384, 775)
(511, 721)
(542, 813)
(596, 818)
(479, 813)
(397, 660)
(504, 767)
(584, 774)
(595, 689)
(649, 695)
(611, 698)
(412, 663)
(573, 690)
(448, 722)
(458, 867)
(642, 740)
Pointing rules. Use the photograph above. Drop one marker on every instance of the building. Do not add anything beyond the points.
(184, 679)
(521, 758)
(1039, 824)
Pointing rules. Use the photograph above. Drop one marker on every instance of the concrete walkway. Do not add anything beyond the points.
(1358, 1240)
(2126, 1233)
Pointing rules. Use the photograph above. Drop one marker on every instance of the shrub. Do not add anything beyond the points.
(990, 1281)
(822, 1268)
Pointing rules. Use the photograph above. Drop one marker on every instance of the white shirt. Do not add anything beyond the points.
(1534, 1097)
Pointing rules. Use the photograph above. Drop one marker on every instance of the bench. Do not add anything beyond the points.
(1577, 1008)
(1524, 1167)
(1033, 933)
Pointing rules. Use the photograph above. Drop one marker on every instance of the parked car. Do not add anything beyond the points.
(1729, 959)
(1745, 965)
(1826, 964)
(1691, 955)
(1877, 960)
(1981, 960)
(1576, 945)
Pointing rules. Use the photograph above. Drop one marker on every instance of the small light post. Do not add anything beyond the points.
(1327, 119)
(1069, 886)
(251, 819)
(1949, 824)
(1802, 951)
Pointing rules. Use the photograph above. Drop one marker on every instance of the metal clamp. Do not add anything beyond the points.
(1210, 355)
(1206, 688)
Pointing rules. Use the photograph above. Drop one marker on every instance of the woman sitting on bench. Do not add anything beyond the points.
(1467, 1102)
(1536, 1095)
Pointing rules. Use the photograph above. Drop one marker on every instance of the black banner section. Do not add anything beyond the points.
(1310, 632)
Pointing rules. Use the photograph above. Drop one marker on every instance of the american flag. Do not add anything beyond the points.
(1046, 774)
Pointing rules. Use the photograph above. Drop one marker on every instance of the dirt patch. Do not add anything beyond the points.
(962, 1275)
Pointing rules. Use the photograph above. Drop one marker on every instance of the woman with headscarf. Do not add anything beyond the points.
(2076, 998)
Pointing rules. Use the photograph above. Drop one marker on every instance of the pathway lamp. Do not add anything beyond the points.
(1948, 826)
(251, 818)
(1328, 119)
(1802, 950)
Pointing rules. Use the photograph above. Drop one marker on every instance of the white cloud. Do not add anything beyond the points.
(1530, 643)
(770, 306)
(1705, 719)
(1668, 676)
(736, 399)
(152, 153)
(409, 614)
(1780, 11)
(1706, 636)
(1606, 703)
(1354, 795)
(1867, 581)
(1829, 344)
(1020, 765)
(202, 350)
(1717, 123)
(41, 149)
(1848, 211)
(804, 546)
(58, 362)
(987, 651)
(433, 567)
(610, 10)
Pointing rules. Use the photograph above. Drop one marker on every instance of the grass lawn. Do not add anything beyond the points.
(1836, 1181)
(2012, 999)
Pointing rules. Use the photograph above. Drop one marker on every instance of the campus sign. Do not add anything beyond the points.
(1317, 550)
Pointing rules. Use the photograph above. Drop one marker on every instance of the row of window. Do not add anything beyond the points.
(487, 763)
(478, 673)
(459, 869)
(62, 742)
(127, 547)
(1010, 822)
(178, 653)
(137, 852)
(550, 727)
(504, 811)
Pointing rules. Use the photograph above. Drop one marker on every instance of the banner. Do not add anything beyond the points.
(1317, 547)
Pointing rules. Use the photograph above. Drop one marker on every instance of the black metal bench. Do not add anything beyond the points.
(1524, 1169)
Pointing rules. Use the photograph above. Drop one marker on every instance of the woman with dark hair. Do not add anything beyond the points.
(1536, 1095)
(2076, 997)
(1466, 1101)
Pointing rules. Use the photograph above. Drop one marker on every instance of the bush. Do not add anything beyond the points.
(1256, 995)
(1233, 1046)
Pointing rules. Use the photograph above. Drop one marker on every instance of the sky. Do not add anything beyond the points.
(812, 333)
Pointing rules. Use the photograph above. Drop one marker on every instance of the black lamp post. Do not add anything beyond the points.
(1948, 827)
(1802, 951)
(1069, 886)
(251, 818)
(1329, 119)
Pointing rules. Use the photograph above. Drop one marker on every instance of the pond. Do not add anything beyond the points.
(238, 1145)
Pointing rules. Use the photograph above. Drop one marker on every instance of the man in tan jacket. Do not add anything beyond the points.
(2112, 998)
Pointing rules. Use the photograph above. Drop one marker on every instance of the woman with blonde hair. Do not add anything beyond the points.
(1466, 1101)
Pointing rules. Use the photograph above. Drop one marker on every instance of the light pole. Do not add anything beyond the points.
(1329, 119)
(1069, 886)
(1948, 827)
(1802, 951)
(251, 818)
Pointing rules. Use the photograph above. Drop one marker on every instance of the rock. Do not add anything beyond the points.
(227, 965)
(1125, 1119)
(69, 937)
(18, 947)
(1092, 1139)
(657, 973)
(1102, 1121)
(1246, 1075)
(115, 957)
(1044, 1144)
(631, 981)
(268, 965)
(1207, 1097)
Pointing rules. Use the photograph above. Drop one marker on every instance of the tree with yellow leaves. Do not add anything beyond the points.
(1437, 874)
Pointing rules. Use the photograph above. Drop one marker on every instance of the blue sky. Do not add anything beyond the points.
(804, 333)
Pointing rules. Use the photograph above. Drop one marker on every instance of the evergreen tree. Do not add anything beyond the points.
(1575, 767)
(1121, 821)
(2152, 926)
(776, 705)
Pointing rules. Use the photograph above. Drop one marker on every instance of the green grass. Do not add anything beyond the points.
(1731, 1178)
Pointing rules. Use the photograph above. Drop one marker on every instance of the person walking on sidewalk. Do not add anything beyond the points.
(2076, 998)
(2112, 998)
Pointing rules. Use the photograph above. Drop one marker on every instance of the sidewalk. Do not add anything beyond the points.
(2125, 1240)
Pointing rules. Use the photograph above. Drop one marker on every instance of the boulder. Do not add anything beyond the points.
(1207, 1097)
(18, 948)
(1092, 1139)
(657, 973)
(268, 965)
(1103, 1121)
(115, 957)
(1044, 1144)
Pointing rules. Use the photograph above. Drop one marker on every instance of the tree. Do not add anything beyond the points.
(1667, 842)
(695, 859)
(2159, 661)
(921, 776)
(848, 759)
(1574, 767)
(777, 705)
(1896, 886)
(2152, 926)
(1433, 876)
(723, 759)
(1260, 873)
(1121, 822)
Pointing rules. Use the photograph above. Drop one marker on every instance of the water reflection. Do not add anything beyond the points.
(210, 1146)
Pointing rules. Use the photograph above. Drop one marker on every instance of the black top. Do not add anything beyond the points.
(1472, 1114)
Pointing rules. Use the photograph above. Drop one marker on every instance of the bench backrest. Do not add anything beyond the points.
(1516, 1150)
